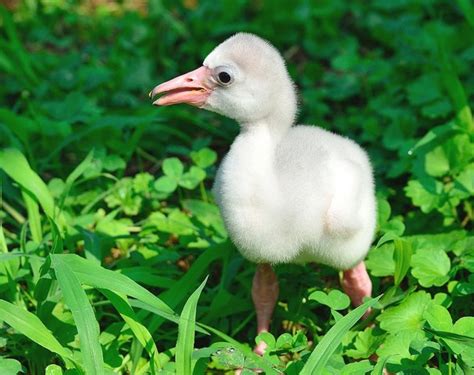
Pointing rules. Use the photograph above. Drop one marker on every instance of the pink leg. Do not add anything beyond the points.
(265, 295)
(356, 283)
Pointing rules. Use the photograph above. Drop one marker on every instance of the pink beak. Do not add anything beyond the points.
(191, 88)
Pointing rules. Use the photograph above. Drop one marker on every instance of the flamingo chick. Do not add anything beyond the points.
(287, 193)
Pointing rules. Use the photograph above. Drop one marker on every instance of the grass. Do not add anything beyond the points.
(113, 255)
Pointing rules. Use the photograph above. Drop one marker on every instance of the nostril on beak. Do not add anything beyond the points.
(189, 79)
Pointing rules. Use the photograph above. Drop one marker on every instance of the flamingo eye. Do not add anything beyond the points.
(224, 76)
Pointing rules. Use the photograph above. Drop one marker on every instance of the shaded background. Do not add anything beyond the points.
(396, 76)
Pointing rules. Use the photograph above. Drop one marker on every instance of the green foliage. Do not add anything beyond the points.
(187, 326)
(108, 225)
(334, 299)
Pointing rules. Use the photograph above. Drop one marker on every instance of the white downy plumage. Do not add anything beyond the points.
(287, 193)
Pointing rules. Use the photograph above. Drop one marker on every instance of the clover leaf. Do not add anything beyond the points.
(173, 168)
(431, 267)
(406, 316)
(191, 179)
(204, 158)
(336, 299)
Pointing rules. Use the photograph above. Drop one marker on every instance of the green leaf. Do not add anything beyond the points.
(34, 217)
(89, 273)
(113, 163)
(464, 182)
(380, 366)
(165, 184)
(366, 343)
(406, 316)
(436, 136)
(468, 10)
(229, 357)
(190, 180)
(465, 326)
(54, 370)
(139, 330)
(261, 362)
(383, 211)
(336, 299)
(204, 158)
(178, 292)
(422, 197)
(357, 368)
(424, 90)
(173, 168)
(332, 339)
(440, 108)
(176, 223)
(268, 338)
(32, 327)
(141, 182)
(453, 85)
(9, 366)
(401, 256)
(186, 332)
(284, 341)
(396, 346)
(84, 317)
(207, 213)
(464, 288)
(438, 318)
(92, 242)
(79, 170)
(16, 166)
(461, 339)
(436, 162)
(431, 267)
(380, 261)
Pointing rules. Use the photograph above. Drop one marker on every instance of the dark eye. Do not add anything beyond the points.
(224, 77)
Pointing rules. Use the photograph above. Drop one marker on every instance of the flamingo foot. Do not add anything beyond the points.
(265, 295)
(357, 284)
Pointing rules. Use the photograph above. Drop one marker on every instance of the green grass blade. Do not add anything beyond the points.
(187, 325)
(464, 339)
(34, 217)
(32, 327)
(92, 249)
(16, 166)
(454, 88)
(402, 256)
(175, 318)
(88, 272)
(23, 57)
(83, 314)
(177, 293)
(379, 367)
(3, 242)
(332, 339)
(468, 9)
(122, 305)
(74, 175)
(80, 169)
